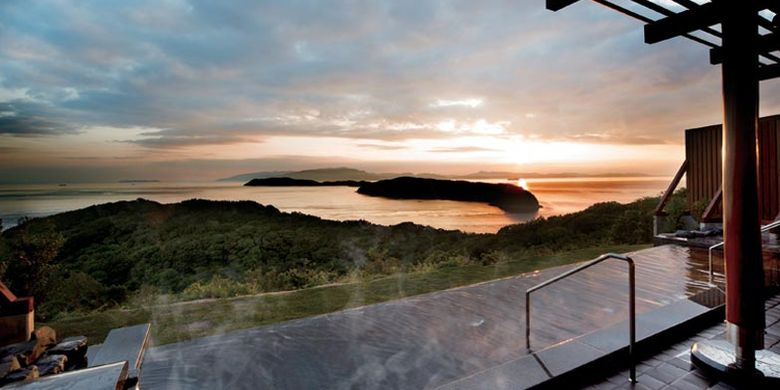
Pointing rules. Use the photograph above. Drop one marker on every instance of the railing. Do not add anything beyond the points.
(631, 303)
(659, 209)
(709, 213)
(720, 244)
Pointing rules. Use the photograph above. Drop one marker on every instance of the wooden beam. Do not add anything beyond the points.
(684, 22)
(768, 72)
(696, 19)
(687, 3)
(659, 210)
(706, 216)
(667, 12)
(716, 55)
(556, 5)
(765, 43)
(745, 317)
(645, 19)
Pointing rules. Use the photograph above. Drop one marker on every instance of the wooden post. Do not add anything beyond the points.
(744, 264)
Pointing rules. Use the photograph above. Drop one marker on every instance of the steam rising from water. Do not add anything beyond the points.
(419, 342)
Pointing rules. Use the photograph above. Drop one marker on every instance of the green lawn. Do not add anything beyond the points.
(187, 320)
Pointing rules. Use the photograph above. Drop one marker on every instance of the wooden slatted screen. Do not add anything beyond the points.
(703, 151)
(769, 188)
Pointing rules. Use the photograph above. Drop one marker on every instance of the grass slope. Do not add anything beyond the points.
(186, 320)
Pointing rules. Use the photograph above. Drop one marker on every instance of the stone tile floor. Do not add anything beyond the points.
(672, 368)
(427, 340)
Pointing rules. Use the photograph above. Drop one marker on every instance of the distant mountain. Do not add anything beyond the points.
(335, 174)
(288, 182)
(352, 174)
(326, 174)
(245, 177)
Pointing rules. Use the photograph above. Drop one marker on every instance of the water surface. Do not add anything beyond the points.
(557, 196)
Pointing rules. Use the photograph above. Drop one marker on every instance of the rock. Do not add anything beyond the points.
(8, 365)
(22, 374)
(51, 364)
(29, 351)
(23, 352)
(75, 348)
(45, 336)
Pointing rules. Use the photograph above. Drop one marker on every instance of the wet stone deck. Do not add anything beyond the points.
(428, 340)
(671, 369)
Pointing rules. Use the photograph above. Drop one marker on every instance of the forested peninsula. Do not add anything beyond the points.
(507, 197)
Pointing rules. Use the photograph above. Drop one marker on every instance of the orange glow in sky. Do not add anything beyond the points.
(387, 86)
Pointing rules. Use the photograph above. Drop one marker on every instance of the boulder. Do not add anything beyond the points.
(45, 336)
(75, 348)
(7, 365)
(22, 374)
(28, 352)
(51, 364)
(22, 352)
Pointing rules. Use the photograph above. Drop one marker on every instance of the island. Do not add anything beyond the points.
(290, 182)
(507, 197)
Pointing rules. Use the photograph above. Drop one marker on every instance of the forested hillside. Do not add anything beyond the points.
(99, 256)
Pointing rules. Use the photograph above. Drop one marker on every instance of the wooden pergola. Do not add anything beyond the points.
(742, 36)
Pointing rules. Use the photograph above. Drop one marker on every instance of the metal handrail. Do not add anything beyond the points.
(631, 303)
(720, 244)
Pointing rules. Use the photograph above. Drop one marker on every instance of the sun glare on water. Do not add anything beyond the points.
(522, 184)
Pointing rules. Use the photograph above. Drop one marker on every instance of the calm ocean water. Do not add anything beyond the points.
(557, 196)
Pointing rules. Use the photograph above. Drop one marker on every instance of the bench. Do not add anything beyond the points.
(106, 377)
(124, 344)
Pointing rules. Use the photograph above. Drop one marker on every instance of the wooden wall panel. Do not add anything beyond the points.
(703, 151)
(769, 192)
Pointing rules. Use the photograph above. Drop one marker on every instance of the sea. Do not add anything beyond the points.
(556, 195)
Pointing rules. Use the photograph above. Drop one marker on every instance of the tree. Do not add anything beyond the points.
(28, 258)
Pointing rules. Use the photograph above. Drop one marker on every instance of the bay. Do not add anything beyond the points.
(556, 195)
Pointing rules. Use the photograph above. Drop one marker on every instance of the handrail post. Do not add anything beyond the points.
(711, 271)
(631, 304)
(528, 320)
(632, 321)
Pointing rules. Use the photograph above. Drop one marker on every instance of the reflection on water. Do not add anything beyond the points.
(557, 196)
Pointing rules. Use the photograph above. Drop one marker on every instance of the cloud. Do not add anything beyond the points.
(381, 146)
(382, 70)
(472, 103)
(177, 138)
(622, 139)
(9, 149)
(381, 74)
(462, 149)
(29, 119)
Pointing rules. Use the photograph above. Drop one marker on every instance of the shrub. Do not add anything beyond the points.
(217, 287)
(78, 292)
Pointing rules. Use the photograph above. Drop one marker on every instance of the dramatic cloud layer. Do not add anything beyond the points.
(371, 81)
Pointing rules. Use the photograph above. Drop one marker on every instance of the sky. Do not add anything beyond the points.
(99, 90)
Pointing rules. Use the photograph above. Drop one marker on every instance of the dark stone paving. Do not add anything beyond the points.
(428, 340)
(672, 368)
(597, 350)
